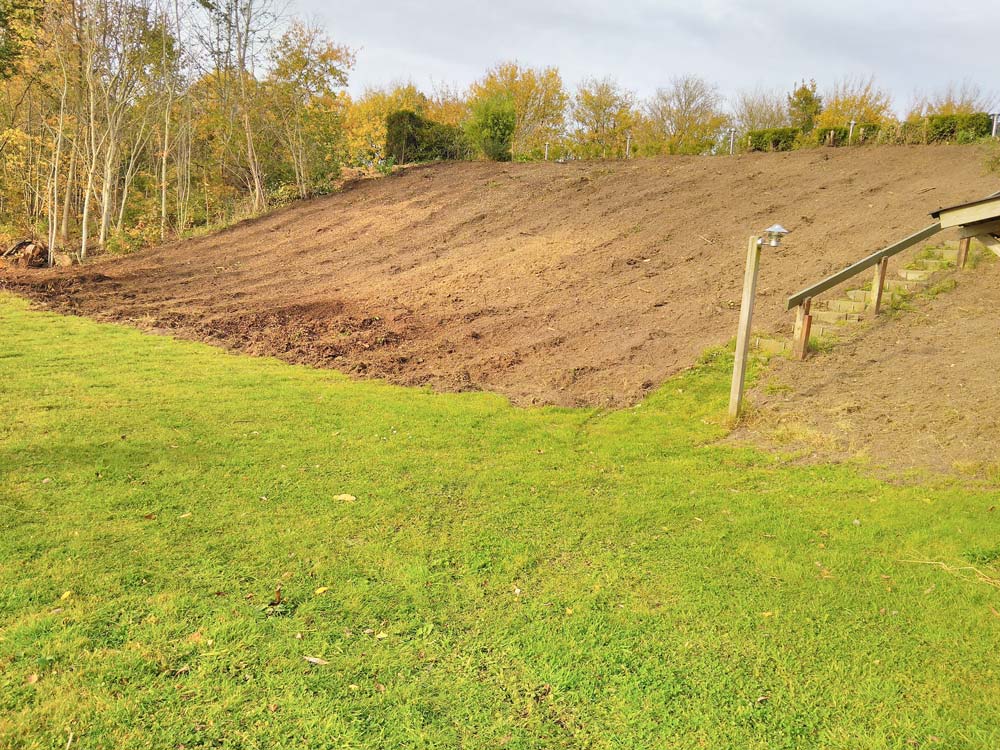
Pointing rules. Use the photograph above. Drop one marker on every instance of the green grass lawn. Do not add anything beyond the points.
(464, 574)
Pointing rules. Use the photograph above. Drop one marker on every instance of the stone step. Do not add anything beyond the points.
(819, 330)
(772, 346)
(828, 316)
(914, 274)
(833, 316)
(859, 295)
(932, 264)
(899, 285)
(846, 305)
(949, 254)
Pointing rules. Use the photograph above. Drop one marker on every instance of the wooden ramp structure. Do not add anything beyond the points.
(979, 220)
(976, 220)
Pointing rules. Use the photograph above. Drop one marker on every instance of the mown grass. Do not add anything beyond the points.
(502, 578)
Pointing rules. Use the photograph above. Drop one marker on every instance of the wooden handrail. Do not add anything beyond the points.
(855, 268)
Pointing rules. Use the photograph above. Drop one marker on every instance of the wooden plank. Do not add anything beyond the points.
(855, 268)
(743, 332)
(878, 285)
(803, 327)
(974, 230)
(991, 242)
(985, 210)
(963, 252)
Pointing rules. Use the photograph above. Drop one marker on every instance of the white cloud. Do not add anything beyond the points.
(909, 46)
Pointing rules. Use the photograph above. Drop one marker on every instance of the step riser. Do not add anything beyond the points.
(844, 306)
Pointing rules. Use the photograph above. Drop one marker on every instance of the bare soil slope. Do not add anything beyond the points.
(914, 391)
(584, 283)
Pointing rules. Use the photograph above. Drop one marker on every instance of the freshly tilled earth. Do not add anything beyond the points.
(578, 284)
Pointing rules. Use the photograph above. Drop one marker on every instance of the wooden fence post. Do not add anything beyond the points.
(803, 327)
(878, 285)
(743, 332)
(963, 252)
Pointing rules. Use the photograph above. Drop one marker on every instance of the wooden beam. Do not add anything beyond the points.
(855, 268)
(963, 252)
(743, 332)
(803, 327)
(984, 210)
(878, 285)
(983, 227)
(991, 242)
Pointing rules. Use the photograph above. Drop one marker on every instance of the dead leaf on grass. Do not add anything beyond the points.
(321, 590)
(316, 660)
(345, 498)
(31, 679)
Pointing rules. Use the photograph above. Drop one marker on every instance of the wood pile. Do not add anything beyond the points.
(25, 254)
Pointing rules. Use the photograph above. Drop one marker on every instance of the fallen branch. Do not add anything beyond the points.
(951, 569)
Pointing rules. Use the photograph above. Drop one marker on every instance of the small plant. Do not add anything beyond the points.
(491, 126)
(384, 167)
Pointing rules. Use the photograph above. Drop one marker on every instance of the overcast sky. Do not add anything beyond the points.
(913, 46)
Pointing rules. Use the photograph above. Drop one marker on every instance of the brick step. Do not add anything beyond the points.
(846, 305)
(833, 316)
(820, 330)
(771, 346)
(914, 274)
(898, 285)
(933, 264)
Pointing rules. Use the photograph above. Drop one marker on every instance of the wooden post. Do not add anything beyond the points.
(803, 327)
(878, 285)
(963, 252)
(743, 332)
(546, 151)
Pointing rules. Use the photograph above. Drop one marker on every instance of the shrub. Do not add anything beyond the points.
(835, 136)
(411, 138)
(491, 127)
(961, 128)
(772, 139)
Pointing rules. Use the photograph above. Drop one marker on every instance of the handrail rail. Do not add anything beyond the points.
(856, 268)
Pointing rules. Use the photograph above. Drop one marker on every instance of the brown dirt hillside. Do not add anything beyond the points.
(585, 283)
(916, 390)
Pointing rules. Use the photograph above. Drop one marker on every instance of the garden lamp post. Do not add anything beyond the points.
(772, 238)
(850, 133)
(732, 140)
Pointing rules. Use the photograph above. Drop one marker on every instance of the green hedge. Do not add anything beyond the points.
(958, 127)
(772, 139)
(411, 138)
(836, 136)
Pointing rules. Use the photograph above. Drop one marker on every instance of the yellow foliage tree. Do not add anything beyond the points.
(604, 114)
(954, 99)
(539, 103)
(364, 122)
(858, 99)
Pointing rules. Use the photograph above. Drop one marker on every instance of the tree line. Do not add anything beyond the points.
(125, 122)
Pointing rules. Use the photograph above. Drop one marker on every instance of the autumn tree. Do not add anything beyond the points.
(19, 20)
(963, 98)
(365, 117)
(687, 115)
(857, 99)
(759, 109)
(307, 70)
(538, 98)
(804, 106)
(492, 125)
(603, 116)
